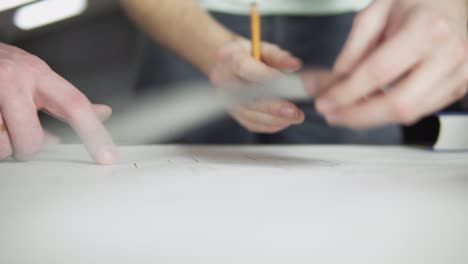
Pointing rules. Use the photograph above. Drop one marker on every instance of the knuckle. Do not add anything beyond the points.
(35, 63)
(15, 93)
(242, 67)
(440, 27)
(7, 68)
(75, 103)
(375, 73)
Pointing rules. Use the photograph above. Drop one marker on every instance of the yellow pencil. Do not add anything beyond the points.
(256, 32)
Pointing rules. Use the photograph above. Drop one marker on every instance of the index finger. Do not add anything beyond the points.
(64, 101)
(368, 26)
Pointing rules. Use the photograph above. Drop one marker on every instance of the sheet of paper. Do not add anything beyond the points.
(179, 204)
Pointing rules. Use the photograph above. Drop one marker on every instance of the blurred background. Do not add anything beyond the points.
(94, 46)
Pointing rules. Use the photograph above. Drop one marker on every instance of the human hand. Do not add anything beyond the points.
(418, 47)
(27, 85)
(235, 65)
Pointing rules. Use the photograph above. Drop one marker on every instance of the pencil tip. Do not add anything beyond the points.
(253, 4)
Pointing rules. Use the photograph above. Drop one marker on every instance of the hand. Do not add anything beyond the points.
(27, 85)
(416, 47)
(235, 65)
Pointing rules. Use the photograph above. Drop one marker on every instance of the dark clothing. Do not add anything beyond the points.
(316, 40)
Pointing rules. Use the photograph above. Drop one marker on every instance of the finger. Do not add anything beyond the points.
(70, 105)
(317, 82)
(51, 139)
(366, 32)
(441, 101)
(261, 118)
(256, 127)
(6, 150)
(421, 82)
(103, 112)
(384, 66)
(442, 98)
(368, 114)
(403, 104)
(280, 59)
(278, 108)
(24, 128)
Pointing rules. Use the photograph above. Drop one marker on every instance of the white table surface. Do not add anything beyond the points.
(179, 204)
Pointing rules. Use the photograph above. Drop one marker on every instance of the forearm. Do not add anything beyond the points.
(182, 26)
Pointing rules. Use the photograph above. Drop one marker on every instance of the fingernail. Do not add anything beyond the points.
(289, 112)
(107, 156)
(324, 106)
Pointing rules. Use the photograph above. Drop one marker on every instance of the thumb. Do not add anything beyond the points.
(367, 31)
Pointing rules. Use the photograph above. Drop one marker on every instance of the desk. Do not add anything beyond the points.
(179, 204)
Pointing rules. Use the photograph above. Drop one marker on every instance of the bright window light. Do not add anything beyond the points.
(10, 4)
(46, 12)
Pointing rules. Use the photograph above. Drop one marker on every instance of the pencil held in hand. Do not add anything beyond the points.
(256, 31)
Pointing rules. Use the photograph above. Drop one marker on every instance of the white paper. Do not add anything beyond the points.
(178, 204)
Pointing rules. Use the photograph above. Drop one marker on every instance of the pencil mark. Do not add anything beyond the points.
(170, 161)
(194, 159)
(332, 164)
(134, 164)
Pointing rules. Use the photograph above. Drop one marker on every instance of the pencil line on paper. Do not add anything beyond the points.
(170, 161)
(134, 164)
(194, 159)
